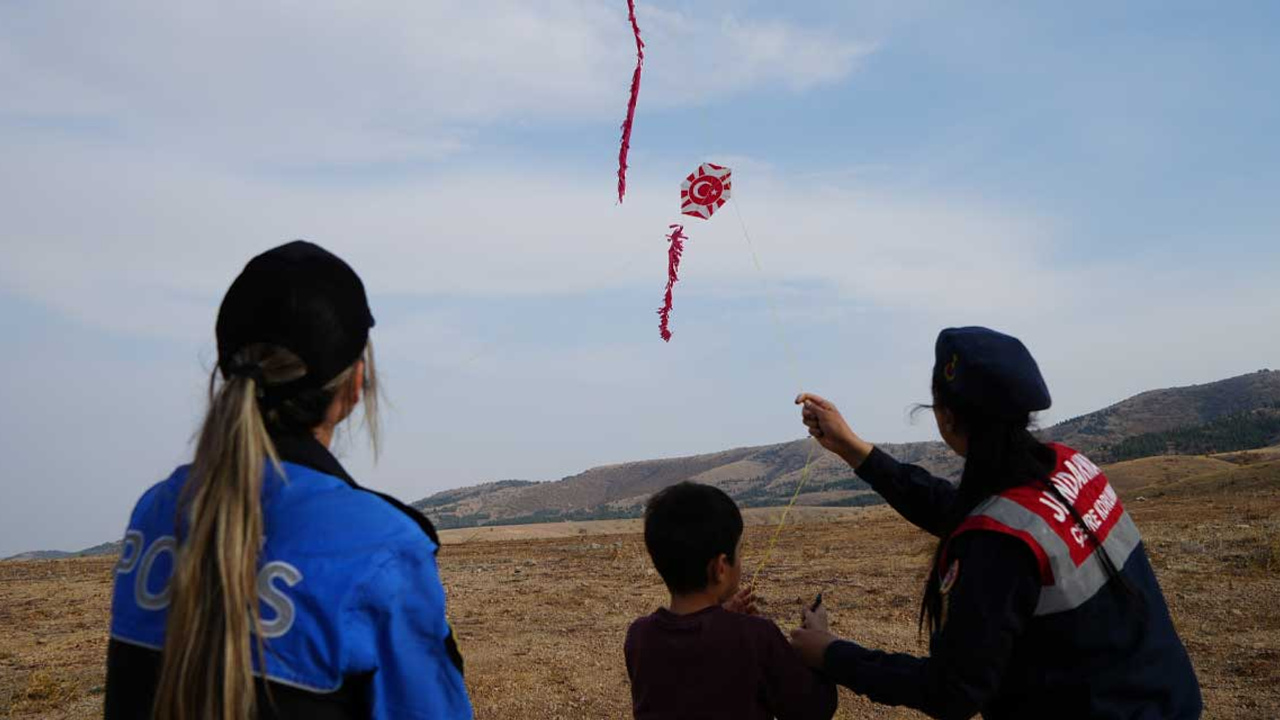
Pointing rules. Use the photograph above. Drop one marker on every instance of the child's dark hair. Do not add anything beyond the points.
(686, 526)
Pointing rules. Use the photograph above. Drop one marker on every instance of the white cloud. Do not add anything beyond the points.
(694, 58)
(800, 59)
(334, 82)
(143, 246)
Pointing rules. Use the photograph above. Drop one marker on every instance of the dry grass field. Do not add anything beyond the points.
(1153, 472)
(540, 611)
(584, 528)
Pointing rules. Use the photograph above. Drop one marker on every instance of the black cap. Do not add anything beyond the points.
(303, 298)
(991, 371)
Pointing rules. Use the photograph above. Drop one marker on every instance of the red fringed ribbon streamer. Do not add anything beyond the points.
(631, 104)
(676, 238)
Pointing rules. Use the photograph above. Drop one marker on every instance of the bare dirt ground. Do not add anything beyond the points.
(580, 528)
(541, 619)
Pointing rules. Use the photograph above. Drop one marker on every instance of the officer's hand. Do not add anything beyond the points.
(743, 601)
(815, 619)
(827, 425)
(811, 645)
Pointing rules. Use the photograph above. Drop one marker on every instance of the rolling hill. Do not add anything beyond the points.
(1162, 411)
(1235, 414)
(754, 476)
(1133, 475)
(1234, 481)
(1237, 420)
(107, 548)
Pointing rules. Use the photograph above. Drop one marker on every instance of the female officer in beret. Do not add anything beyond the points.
(1040, 601)
(261, 580)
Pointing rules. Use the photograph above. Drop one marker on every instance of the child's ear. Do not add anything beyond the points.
(718, 568)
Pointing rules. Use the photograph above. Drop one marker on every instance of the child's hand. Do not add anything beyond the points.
(743, 601)
(811, 645)
(815, 619)
(832, 432)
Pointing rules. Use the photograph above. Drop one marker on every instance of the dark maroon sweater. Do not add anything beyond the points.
(719, 664)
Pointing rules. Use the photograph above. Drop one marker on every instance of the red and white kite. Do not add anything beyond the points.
(705, 191)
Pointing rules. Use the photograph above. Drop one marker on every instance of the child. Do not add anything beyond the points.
(698, 659)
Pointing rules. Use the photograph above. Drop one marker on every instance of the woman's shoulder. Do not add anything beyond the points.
(307, 513)
(1000, 553)
(360, 555)
(312, 503)
(159, 503)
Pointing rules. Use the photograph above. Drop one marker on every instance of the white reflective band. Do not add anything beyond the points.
(1072, 586)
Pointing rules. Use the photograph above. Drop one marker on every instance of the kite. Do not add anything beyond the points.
(702, 193)
(631, 104)
(705, 191)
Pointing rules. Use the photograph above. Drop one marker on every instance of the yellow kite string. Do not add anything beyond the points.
(795, 368)
(768, 553)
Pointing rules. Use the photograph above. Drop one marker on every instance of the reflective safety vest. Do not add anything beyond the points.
(1070, 567)
(1090, 648)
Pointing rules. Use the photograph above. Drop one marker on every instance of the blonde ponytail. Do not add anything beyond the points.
(207, 664)
(207, 669)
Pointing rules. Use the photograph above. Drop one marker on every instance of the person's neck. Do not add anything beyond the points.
(324, 434)
(693, 602)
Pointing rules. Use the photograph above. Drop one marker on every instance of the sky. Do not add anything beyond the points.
(1096, 178)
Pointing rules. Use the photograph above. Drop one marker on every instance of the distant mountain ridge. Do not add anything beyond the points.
(1235, 414)
(754, 476)
(1158, 411)
(107, 548)
(767, 475)
(1238, 431)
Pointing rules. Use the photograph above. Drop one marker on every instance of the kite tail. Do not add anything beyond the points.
(676, 238)
(631, 104)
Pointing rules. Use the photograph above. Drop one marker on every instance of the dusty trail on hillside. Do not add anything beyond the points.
(541, 621)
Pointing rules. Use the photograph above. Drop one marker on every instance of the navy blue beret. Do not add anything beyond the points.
(990, 371)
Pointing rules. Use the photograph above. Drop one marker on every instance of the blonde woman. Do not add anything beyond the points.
(260, 580)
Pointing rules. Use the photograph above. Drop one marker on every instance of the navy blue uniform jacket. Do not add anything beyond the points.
(1006, 652)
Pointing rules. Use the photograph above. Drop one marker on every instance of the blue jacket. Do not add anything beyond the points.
(351, 602)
